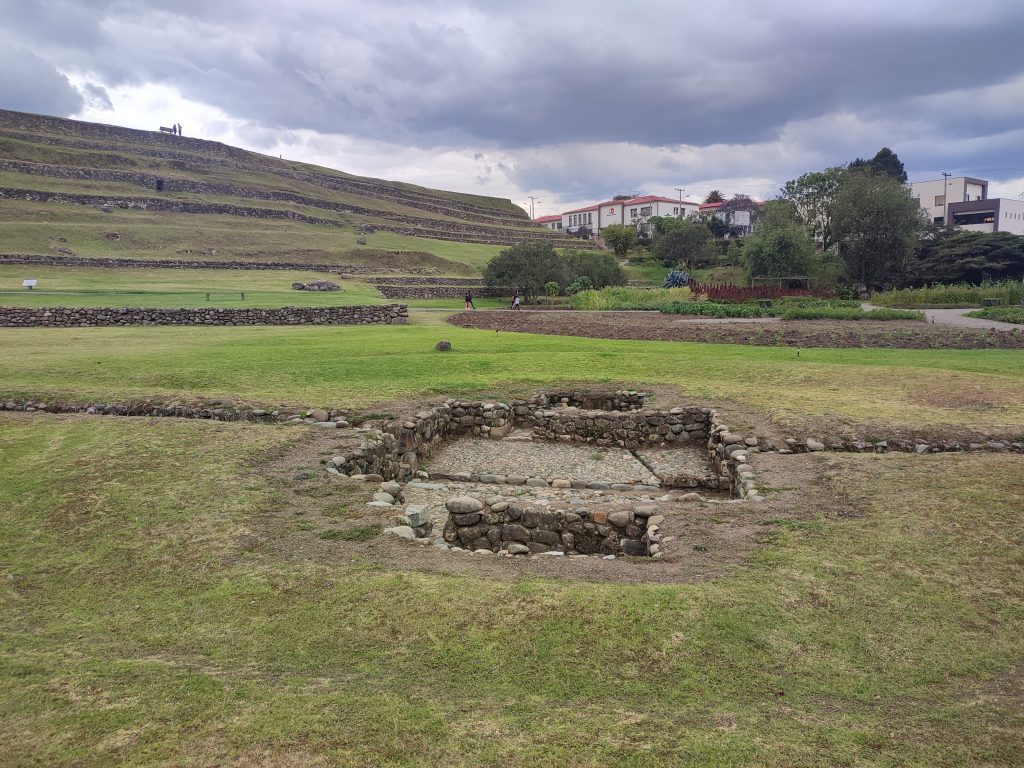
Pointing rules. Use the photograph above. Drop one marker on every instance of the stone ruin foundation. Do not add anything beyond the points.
(568, 474)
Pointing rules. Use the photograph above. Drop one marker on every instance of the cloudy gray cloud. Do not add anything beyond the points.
(31, 84)
(756, 88)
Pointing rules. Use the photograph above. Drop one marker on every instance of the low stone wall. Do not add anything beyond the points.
(634, 429)
(49, 260)
(439, 292)
(64, 317)
(218, 410)
(497, 524)
(467, 281)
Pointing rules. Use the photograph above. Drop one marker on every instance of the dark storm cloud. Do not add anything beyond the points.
(30, 84)
(426, 73)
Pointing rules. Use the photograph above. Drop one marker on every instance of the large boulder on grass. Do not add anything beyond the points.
(443, 346)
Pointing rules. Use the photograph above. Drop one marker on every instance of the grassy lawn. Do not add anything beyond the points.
(87, 287)
(357, 365)
(1004, 314)
(140, 625)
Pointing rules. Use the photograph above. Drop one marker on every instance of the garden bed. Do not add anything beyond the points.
(898, 334)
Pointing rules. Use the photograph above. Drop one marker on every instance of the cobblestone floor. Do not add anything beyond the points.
(546, 460)
(686, 460)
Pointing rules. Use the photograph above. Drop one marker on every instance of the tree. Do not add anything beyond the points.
(876, 224)
(886, 161)
(950, 256)
(689, 240)
(601, 267)
(525, 267)
(620, 237)
(551, 288)
(813, 195)
(779, 246)
(714, 196)
(528, 267)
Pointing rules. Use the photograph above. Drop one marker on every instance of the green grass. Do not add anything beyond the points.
(108, 287)
(134, 629)
(41, 228)
(1003, 314)
(358, 365)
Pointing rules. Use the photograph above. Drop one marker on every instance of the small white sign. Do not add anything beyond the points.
(741, 218)
(29, 282)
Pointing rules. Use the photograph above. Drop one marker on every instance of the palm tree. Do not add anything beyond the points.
(715, 196)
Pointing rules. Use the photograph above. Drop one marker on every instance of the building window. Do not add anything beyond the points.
(984, 217)
(675, 211)
(645, 211)
(940, 199)
(590, 218)
(632, 213)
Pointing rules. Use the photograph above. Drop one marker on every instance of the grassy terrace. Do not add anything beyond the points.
(32, 228)
(360, 365)
(168, 288)
(139, 624)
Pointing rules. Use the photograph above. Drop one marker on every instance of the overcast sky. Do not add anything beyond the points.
(569, 102)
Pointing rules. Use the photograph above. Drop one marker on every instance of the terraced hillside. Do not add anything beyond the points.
(78, 190)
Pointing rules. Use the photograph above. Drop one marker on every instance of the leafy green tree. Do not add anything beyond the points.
(876, 224)
(813, 196)
(581, 283)
(551, 288)
(600, 267)
(620, 237)
(714, 196)
(687, 241)
(526, 267)
(779, 246)
(734, 253)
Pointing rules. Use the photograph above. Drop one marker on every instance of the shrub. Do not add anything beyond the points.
(1004, 314)
(628, 298)
(849, 313)
(581, 283)
(552, 288)
(726, 292)
(956, 294)
(711, 309)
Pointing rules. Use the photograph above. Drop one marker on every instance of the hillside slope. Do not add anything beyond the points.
(72, 188)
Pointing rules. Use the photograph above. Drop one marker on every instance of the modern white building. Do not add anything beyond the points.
(1001, 214)
(935, 196)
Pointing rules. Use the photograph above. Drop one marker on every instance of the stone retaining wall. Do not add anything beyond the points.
(467, 281)
(64, 317)
(633, 429)
(439, 292)
(49, 260)
(498, 524)
(435, 229)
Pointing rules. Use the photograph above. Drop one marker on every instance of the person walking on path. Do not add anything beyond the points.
(515, 301)
(469, 300)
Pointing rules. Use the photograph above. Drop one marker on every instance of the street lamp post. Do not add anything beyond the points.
(680, 190)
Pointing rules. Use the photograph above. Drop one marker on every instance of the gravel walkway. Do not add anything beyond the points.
(538, 459)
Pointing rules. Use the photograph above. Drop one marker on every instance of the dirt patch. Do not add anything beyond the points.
(654, 326)
(710, 540)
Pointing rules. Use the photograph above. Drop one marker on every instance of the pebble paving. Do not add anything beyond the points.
(686, 460)
(539, 459)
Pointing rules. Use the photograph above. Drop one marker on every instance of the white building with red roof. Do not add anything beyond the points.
(551, 222)
(625, 210)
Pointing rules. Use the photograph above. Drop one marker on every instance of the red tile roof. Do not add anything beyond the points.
(548, 219)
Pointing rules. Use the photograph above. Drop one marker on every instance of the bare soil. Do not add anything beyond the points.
(711, 539)
(654, 326)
